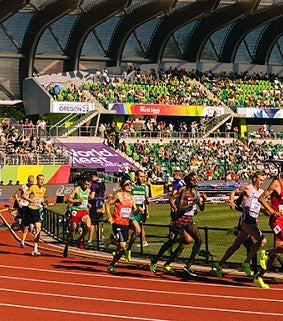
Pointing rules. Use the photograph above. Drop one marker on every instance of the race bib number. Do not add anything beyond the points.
(37, 202)
(191, 211)
(254, 207)
(139, 199)
(277, 229)
(83, 204)
(125, 212)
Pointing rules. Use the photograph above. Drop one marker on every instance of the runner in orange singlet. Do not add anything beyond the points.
(125, 204)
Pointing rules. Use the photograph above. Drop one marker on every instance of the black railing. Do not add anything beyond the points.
(214, 242)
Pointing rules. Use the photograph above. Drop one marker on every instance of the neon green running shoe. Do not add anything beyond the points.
(247, 268)
(260, 283)
(189, 270)
(263, 259)
(153, 267)
(218, 269)
(128, 256)
(168, 269)
(111, 269)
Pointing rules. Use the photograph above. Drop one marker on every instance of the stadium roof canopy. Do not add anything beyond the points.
(39, 37)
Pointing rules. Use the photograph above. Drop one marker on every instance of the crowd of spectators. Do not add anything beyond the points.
(177, 87)
(25, 143)
(212, 160)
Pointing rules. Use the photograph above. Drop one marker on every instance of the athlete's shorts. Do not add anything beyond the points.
(95, 216)
(137, 217)
(120, 232)
(31, 216)
(175, 231)
(22, 212)
(78, 215)
(276, 224)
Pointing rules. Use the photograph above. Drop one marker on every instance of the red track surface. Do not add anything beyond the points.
(51, 287)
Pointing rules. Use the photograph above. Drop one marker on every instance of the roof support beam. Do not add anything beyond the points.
(173, 21)
(88, 20)
(241, 28)
(130, 21)
(214, 21)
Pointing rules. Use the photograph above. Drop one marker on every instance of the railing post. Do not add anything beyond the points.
(141, 237)
(206, 241)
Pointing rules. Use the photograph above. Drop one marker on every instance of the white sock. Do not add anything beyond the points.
(35, 247)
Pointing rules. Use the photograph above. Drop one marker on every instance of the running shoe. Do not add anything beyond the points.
(260, 283)
(247, 268)
(81, 244)
(168, 269)
(218, 269)
(153, 267)
(22, 244)
(128, 255)
(189, 270)
(111, 269)
(65, 252)
(35, 253)
(144, 244)
(263, 259)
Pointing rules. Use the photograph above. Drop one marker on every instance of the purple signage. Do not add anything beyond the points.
(95, 155)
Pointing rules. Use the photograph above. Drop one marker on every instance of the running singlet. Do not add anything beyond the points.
(187, 216)
(84, 195)
(22, 201)
(37, 195)
(251, 206)
(276, 203)
(122, 212)
(139, 193)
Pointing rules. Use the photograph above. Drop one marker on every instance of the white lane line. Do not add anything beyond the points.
(136, 279)
(187, 294)
(80, 312)
(109, 300)
(132, 302)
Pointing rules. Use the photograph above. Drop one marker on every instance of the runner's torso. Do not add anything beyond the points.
(37, 195)
(139, 193)
(251, 205)
(187, 216)
(276, 202)
(123, 209)
(84, 195)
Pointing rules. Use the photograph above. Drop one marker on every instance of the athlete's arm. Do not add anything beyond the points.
(273, 187)
(108, 204)
(71, 198)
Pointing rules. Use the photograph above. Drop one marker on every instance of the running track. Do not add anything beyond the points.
(51, 287)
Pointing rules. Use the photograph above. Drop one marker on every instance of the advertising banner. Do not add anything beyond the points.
(72, 107)
(166, 110)
(95, 155)
(260, 112)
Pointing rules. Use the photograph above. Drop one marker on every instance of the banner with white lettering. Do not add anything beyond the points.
(96, 155)
(72, 107)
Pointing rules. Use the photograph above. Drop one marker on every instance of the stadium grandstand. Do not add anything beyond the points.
(168, 69)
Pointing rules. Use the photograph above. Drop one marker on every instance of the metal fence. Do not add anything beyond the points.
(215, 240)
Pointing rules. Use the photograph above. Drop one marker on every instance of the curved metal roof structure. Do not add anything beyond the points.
(53, 36)
(242, 27)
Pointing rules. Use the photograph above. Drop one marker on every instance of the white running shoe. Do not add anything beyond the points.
(35, 253)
